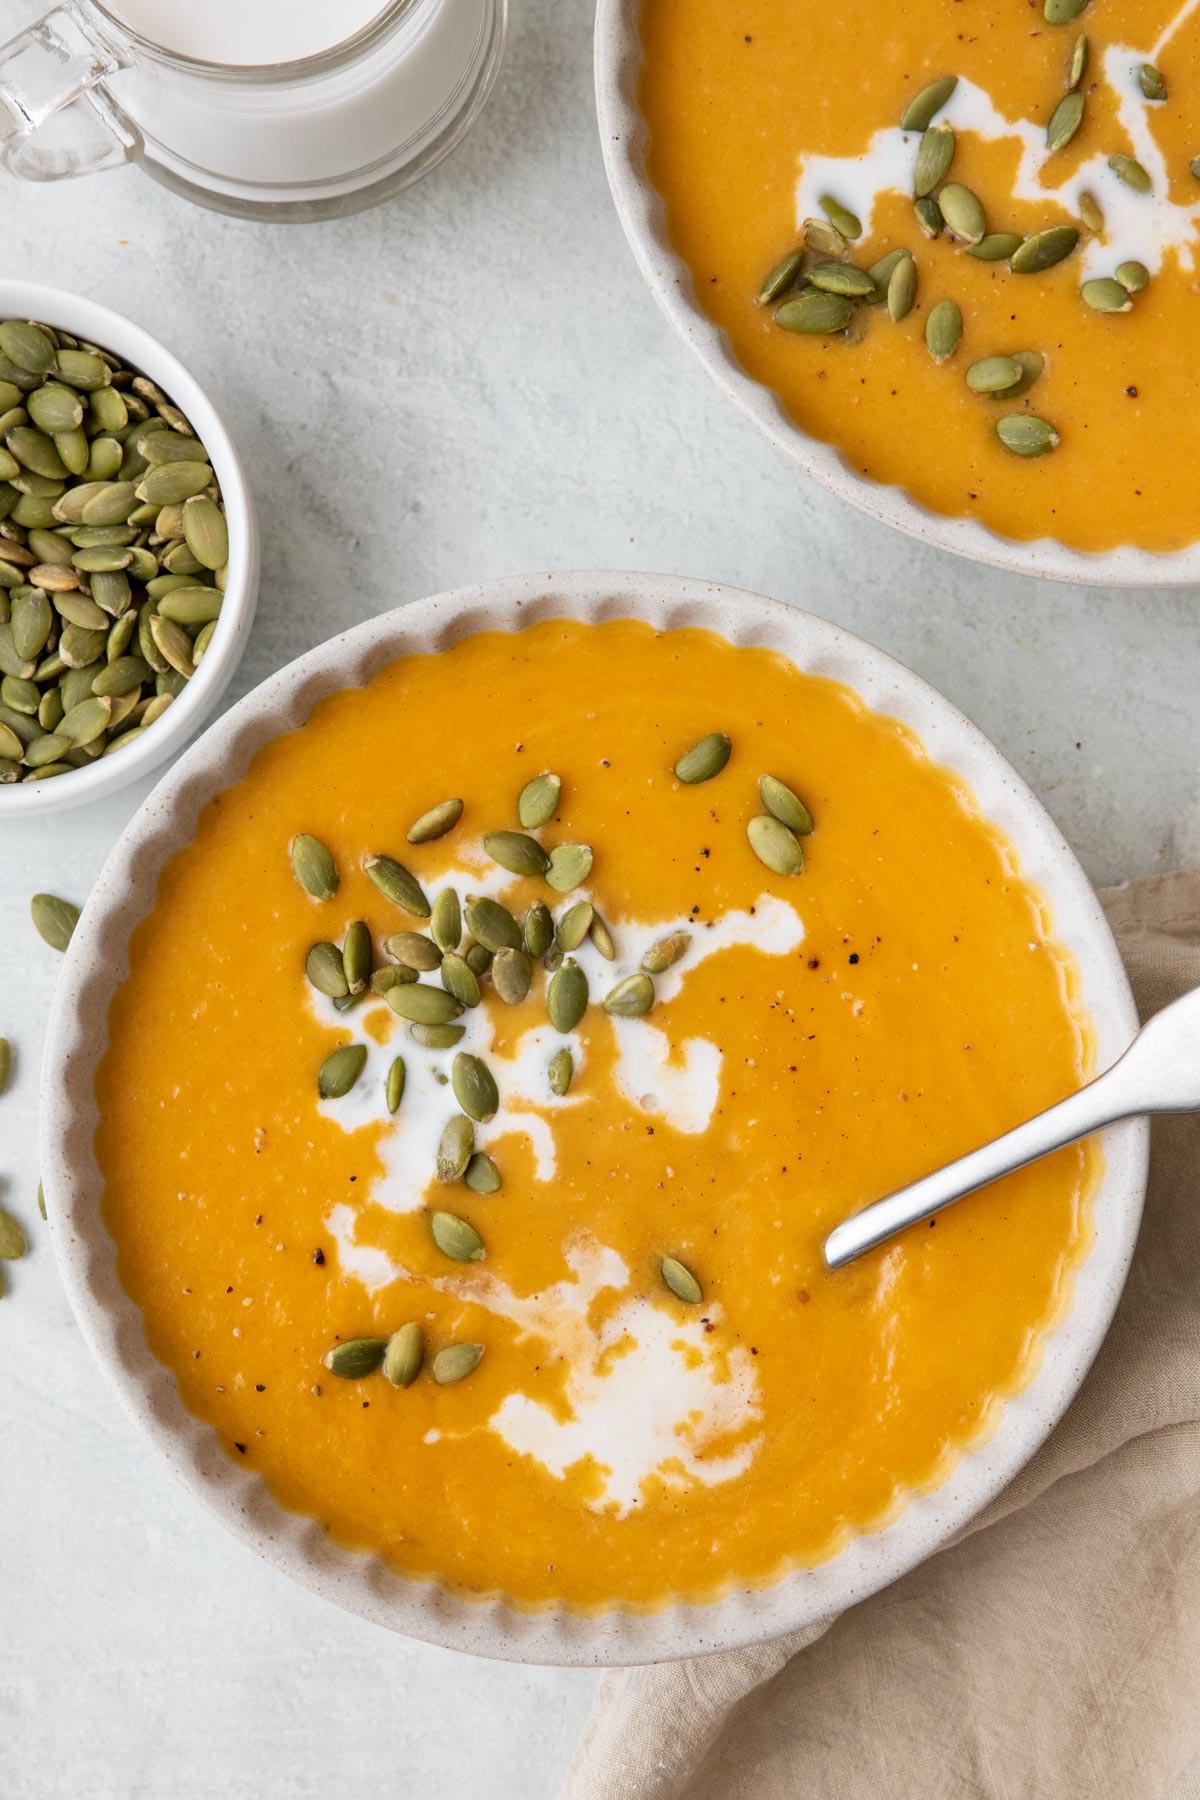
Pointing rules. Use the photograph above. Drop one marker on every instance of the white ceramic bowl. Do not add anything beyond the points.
(83, 318)
(623, 138)
(98, 962)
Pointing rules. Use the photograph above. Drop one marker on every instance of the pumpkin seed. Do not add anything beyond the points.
(841, 218)
(436, 822)
(459, 979)
(398, 884)
(997, 246)
(1026, 435)
(1079, 62)
(11, 747)
(445, 921)
(1090, 213)
(166, 482)
(46, 750)
(902, 290)
(841, 278)
(775, 845)
(474, 1085)
(340, 1070)
(455, 1362)
(681, 1281)
(421, 1004)
(455, 1237)
(963, 212)
(538, 933)
(514, 851)
(881, 273)
(41, 1199)
(28, 346)
(569, 865)
(1194, 167)
(993, 374)
(784, 805)
(390, 976)
(54, 919)
(574, 925)
(1131, 172)
(204, 529)
(191, 606)
(666, 952)
(943, 330)
(929, 216)
(705, 759)
(357, 956)
(478, 958)
(491, 924)
(356, 1357)
(512, 976)
(454, 1150)
(1031, 363)
(1133, 276)
(1065, 121)
(1149, 80)
(935, 153)
(631, 998)
(415, 950)
(172, 642)
(404, 1355)
(782, 277)
(1106, 296)
(824, 239)
(436, 1037)
(1044, 249)
(538, 800)
(919, 113)
(55, 408)
(567, 996)
(560, 1071)
(602, 938)
(815, 314)
(12, 1238)
(481, 1174)
(313, 867)
(30, 625)
(5, 1063)
(393, 1088)
(1062, 12)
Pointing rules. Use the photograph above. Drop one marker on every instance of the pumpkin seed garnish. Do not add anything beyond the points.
(782, 277)
(784, 805)
(326, 971)
(631, 998)
(1065, 121)
(340, 1071)
(390, 976)
(824, 239)
(481, 1174)
(1133, 276)
(1044, 249)
(841, 218)
(1090, 212)
(567, 996)
(12, 1238)
(943, 330)
(404, 1355)
(902, 290)
(841, 278)
(460, 979)
(935, 153)
(491, 925)
(436, 1037)
(358, 954)
(445, 921)
(560, 1071)
(41, 1199)
(1194, 167)
(963, 212)
(475, 1086)
(1151, 82)
(421, 1004)
(1079, 62)
(993, 374)
(997, 246)
(478, 959)
(514, 851)
(569, 865)
(512, 976)
(1129, 170)
(1106, 296)
(881, 273)
(814, 314)
(665, 952)
(394, 1086)
(602, 938)
(705, 759)
(1026, 435)
(5, 1063)
(538, 800)
(455, 1148)
(356, 1358)
(1031, 363)
(539, 930)
(54, 919)
(456, 1237)
(1062, 12)
(681, 1281)
(775, 845)
(920, 111)
(574, 925)
(929, 216)
(455, 1362)
(398, 884)
(436, 822)
(414, 950)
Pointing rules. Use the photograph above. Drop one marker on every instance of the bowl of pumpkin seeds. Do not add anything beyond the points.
(128, 551)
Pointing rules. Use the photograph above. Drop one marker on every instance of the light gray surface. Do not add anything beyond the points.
(467, 383)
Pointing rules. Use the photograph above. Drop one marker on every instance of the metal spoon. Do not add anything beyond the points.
(1160, 1072)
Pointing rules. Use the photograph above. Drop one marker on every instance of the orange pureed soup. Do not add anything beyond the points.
(819, 1037)
(757, 112)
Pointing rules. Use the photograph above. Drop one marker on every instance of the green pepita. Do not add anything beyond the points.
(1133, 276)
(421, 1004)
(569, 865)
(54, 919)
(902, 290)
(963, 212)
(815, 314)
(943, 330)
(1106, 296)
(516, 852)
(314, 867)
(560, 1071)
(681, 1281)
(567, 996)
(1065, 121)
(459, 979)
(993, 374)
(398, 884)
(997, 246)
(782, 277)
(841, 218)
(356, 1357)
(491, 924)
(436, 822)
(474, 1084)
(393, 1088)
(841, 278)
(1150, 81)
(455, 1362)
(538, 800)
(1131, 172)
(1026, 435)
(481, 1174)
(415, 950)
(404, 1355)
(538, 931)
(705, 759)
(445, 921)
(935, 153)
(574, 925)
(920, 111)
(631, 998)
(775, 845)
(1044, 250)
(340, 1071)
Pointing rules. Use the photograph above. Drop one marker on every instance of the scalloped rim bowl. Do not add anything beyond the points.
(623, 139)
(98, 961)
(112, 331)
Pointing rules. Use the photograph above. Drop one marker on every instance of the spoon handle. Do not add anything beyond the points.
(1160, 1072)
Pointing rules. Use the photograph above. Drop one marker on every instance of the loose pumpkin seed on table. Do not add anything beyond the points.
(112, 489)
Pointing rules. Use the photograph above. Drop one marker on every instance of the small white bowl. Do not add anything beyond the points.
(623, 139)
(83, 318)
(98, 961)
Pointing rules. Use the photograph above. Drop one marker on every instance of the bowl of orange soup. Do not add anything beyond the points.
(946, 262)
(463, 1057)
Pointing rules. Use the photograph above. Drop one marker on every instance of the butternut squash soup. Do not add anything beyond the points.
(958, 241)
(493, 1064)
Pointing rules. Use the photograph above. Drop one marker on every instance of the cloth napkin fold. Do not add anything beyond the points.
(1053, 1650)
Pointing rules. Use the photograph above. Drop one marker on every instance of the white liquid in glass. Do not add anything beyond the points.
(246, 32)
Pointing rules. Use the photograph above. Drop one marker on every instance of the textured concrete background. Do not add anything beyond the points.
(469, 382)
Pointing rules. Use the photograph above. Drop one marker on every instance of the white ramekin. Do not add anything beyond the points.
(623, 139)
(83, 318)
(98, 961)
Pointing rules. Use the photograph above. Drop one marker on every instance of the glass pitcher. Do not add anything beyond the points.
(315, 138)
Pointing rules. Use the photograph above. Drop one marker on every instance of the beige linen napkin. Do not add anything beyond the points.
(1054, 1649)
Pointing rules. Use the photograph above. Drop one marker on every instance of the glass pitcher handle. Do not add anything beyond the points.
(56, 118)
